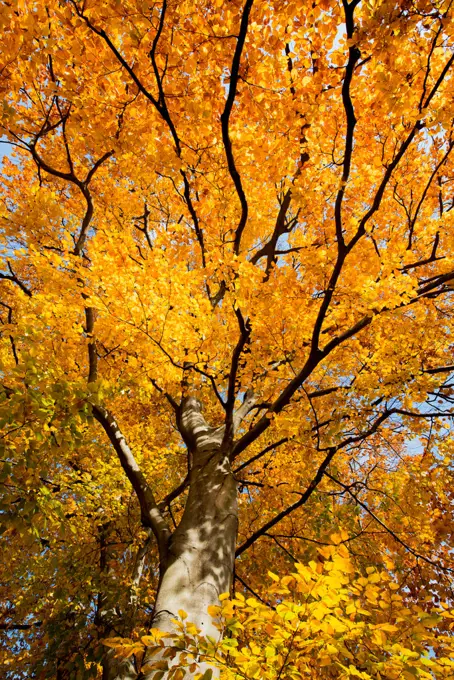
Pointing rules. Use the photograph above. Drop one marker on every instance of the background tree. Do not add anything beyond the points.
(226, 308)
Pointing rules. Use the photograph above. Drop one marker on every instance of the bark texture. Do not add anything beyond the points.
(201, 551)
(197, 558)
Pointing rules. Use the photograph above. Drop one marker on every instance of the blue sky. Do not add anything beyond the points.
(5, 150)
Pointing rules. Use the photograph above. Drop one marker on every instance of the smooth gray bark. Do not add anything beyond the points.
(118, 669)
(196, 560)
(201, 551)
(202, 548)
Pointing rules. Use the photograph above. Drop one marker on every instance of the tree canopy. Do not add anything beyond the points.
(227, 227)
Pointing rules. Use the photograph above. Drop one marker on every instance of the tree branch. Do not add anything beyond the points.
(20, 626)
(159, 104)
(269, 249)
(315, 357)
(353, 57)
(165, 503)
(423, 196)
(398, 157)
(240, 414)
(92, 354)
(245, 332)
(12, 277)
(196, 432)
(150, 514)
(256, 595)
(387, 529)
(11, 338)
(301, 501)
(262, 453)
(225, 120)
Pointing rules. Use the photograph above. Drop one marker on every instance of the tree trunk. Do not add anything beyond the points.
(112, 668)
(196, 560)
(202, 549)
(118, 669)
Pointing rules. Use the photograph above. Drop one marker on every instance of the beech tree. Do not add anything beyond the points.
(227, 332)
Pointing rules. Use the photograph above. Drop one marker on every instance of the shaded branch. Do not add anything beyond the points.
(245, 332)
(245, 408)
(439, 369)
(330, 453)
(159, 103)
(432, 288)
(397, 158)
(300, 502)
(168, 396)
(92, 354)
(282, 547)
(71, 177)
(11, 338)
(423, 197)
(20, 626)
(13, 278)
(262, 453)
(177, 491)
(225, 122)
(298, 538)
(97, 165)
(353, 57)
(150, 515)
(256, 595)
(269, 249)
(137, 570)
(387, 529)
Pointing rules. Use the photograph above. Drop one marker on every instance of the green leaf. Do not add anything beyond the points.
(208, 674)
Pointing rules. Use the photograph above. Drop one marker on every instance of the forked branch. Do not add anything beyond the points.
(225, 123)
(392, 533)
(150, 514)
